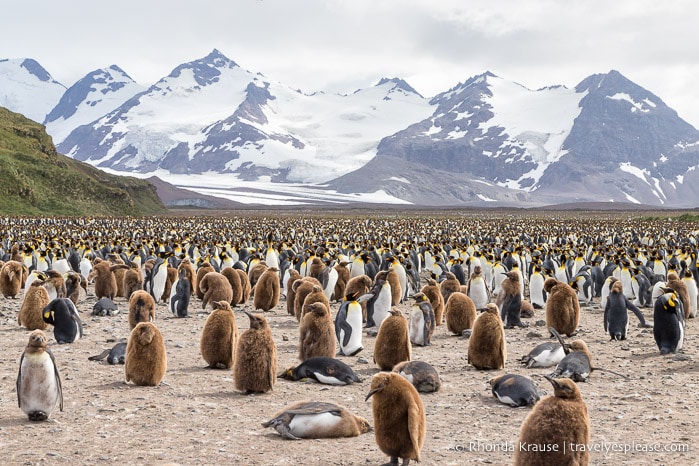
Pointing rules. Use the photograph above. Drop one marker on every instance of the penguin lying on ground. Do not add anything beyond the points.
(322, 369)
(312, 419)
(514, 390)
(546, 354)
(116, 355)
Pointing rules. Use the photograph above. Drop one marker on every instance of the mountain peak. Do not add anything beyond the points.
(398, 84)
(205, 70)
(33, 67)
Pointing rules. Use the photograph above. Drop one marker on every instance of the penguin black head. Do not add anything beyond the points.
(352, 296)
(419, 297)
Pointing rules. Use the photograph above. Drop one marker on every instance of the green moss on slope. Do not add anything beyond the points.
(36, 180)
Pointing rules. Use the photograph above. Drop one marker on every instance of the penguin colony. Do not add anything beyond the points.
(456, 253)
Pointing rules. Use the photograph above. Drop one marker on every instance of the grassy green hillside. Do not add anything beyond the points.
(36, 180)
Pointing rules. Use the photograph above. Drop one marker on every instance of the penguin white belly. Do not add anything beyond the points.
(53, 293)
(39, 391)
(354, 319)
(406, 376)
(692, 290)
(680, 341)
(536, 290)
(61, 266)
(159, 282)
(173, 302)
(382, 305)
(417, 327)
(332, 281)
(506, 399)
(357, 268)
(303, 425)
(271, 258)
(29, 281)
(478, 294)
(549, 358)
(85, 267)
(325, 379)
(285, 282)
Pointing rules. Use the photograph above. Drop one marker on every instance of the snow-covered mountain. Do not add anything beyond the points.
(606, 140)
(27, 88)
(215, 127)
(96, 94)
(211, 115)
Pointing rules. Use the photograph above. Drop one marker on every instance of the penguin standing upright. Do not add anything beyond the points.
(348, 325)
(691, 285)
(392, 344)
(616, 318)
(477, 288)
(668, 322)
(378, 306)
(510, 300)
(556, 422)
(537, 295)
(38, 384)
(422, 322)
(255, 366)
(180, 295)
(431, 290)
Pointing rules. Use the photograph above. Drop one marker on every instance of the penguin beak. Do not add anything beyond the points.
(553, 381)
(371, 392)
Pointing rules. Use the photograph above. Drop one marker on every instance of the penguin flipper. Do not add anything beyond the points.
(344, 325)
(100, 356)
(18, 384)
(555, 333)
(59, 386)
(414, 428)
(636, 311)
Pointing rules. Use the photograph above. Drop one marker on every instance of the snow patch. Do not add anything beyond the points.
(635, 106)
(398, 178)
(485, 198)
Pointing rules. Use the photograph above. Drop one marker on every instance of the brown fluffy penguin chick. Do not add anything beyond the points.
(554, 423)
(233, 278)
(449, 286)
(674, 282)
(486, 347)
(433, 293)
(75, 281)
(392, 344)
(396, 290)
(119, 273)
(562, 307)
(527, 309)
(190, 273)
(267, 290)
(255, 367)
(361, 284)
(55, 281)
(133, 280)
(316, 267)
(294, 276)
(11, 278)
(202, 270)
(215, 287)
(303, 288)
(400, 423)
(245, 283)
(317, 332)
(219, 337)
(35, 300)
(256, 272)
(146, 360)
(314, 419)
(105, 281)
(141, 308)
(343, 276)
(315, 296)
(460, 313)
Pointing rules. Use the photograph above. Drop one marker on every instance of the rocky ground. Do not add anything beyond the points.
(196, 417)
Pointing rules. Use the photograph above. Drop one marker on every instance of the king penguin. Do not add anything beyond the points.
(668, 322)
(38, 382)
(379, 305)
(348, 324)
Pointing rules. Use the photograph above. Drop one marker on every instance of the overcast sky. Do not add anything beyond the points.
(342, 45)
